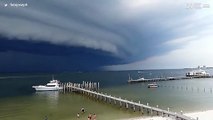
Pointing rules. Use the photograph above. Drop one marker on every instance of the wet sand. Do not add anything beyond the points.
(204, 115)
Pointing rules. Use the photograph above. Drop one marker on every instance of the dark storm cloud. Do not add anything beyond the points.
(112, 26)
(17, 56)
(119, 31)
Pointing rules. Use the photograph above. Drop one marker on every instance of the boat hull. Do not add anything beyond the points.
(44, 88)
(152, 86)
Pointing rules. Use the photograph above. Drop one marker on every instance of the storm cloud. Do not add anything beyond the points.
(124, 31)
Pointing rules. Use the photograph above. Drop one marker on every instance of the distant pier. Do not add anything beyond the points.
(166, 79)
(91, 89)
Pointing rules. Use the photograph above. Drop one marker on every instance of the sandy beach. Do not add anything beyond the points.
(204, 115)
(150, 118)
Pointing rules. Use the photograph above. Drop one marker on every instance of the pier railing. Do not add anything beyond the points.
(90, 89)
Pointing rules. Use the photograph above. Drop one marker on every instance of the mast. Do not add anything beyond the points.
(129, 77)
(52, 77)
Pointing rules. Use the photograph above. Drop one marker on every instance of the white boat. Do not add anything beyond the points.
(152, 85)
(197, 73)
(136, 80)
(52, 85)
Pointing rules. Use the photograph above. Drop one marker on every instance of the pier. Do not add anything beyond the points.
(166, 79)
(91, 89)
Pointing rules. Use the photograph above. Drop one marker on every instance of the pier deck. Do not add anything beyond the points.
(79, 88)
(165, 79)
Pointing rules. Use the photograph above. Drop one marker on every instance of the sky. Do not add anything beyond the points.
(78, 35)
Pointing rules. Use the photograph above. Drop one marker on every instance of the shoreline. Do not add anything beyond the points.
(202, 115)
(150, 118)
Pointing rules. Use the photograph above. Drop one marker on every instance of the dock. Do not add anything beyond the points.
(91, 89)
(165, 79)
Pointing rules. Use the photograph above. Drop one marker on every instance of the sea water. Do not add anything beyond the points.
(18, 101)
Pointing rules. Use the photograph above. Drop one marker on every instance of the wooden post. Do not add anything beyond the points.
(157, 113)
(127, 105)
(181, 112)
(162, 114)
(114, 101)
(147, 111)
(64, 87)
(120, 102)
(134, 108)
(105, 98)
(109, 100)
(151, 111)
(175, 115)
(101, 97)
(139, 108)
(89, 85)
(97, 96)
(69, 88)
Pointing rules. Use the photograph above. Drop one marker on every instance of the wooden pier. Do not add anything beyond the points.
(91, 89)
(165, 79)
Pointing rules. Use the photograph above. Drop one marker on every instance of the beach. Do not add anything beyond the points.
(204, 115)
(149, 118)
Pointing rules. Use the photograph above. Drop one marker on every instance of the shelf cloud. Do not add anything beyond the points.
(128, 31)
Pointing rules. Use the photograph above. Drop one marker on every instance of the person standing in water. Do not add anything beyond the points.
(78, 115)
(94, 116)
(45, 118)
(90, 116)
(82, 110)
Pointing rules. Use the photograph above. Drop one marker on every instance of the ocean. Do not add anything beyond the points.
(19, 101)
